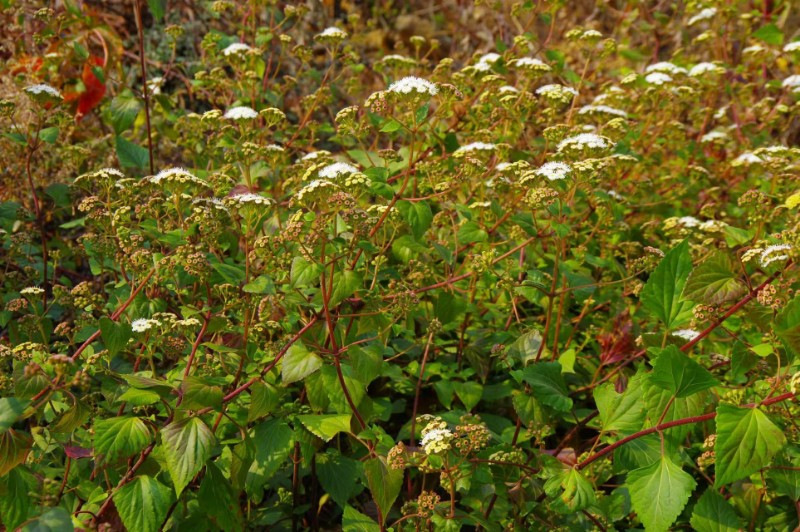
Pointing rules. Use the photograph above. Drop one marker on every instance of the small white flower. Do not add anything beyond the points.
(253, 199)
(313, 189)
(506, 89)
(553, 170)
(436, 440)
(768, 255)
(531, 64)
(411, 84)
(274, 147)
(490, 58)
(331, 35)
(792, 47)
(188, 322)
(658, 78)
(310, 156)
(602, 109)
(241, 113)
(711, 136)
(792, 82)
(756, 48)
(236, 49)
(746, 159)
(665, 67)
(475, 146)
(591, 34)
(179, 175)
(584, 140)
(701, 69)
(32, 291)
(713, 226)
(689, 221)
(111, 172)
(332, 171)
(144, 324)
(43, 88)
(686, 334)
(555, 89)
(705, 14)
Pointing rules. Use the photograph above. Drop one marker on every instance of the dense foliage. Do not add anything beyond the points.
(508, 266)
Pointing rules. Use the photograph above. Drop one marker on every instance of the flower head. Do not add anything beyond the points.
(32, 291)
(768, 255)
(176, 175)
(792, 82)
(332, 171)
(241, 113)
(704, 14)
(665, 67)
(237, 48)
(602, 110)
(331, 35)
(43, 89)
(553, 170)
(686, 334)
(584, 141)
(413, 84)
(436, 440)
(249, 198)
(658, 78)
(701, 69)
(144, 324)
(792, 47)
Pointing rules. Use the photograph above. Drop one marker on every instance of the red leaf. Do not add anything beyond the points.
(95, 89)
(77, 452)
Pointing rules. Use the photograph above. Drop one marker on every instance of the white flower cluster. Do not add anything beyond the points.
(241, 112)
(665, 67)
(658, 78)
(43, 89)
(249, 198)
(176, 175)
(531, 65)
(553, 170)
(792, 82)
(411, 84)
(310, 156)
(313, 189)
(558, 92)
(704, 14)
(32, 291)
(332, 35)
(701, 69)
(332, 171)
(792, 47)
(686, 334)
(144, 324)
(436, 440)
(583, 141)
(397, 60)
(474, 146)
(768, 255)
(486, 61)
(508, 89)
(236, 48)
(746, 159)
(602, 110)
(712, 136)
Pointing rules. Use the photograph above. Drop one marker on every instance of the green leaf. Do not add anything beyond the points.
(198, 394)
(14, 447)
(260, 285)
(659, 492)
(273, 441)
(787, 326)
(218, 500)
(355, 521)
(469, 393)
(143, 504)
(11, 410)
(677, 373)
(158, 8)
(344, 285)
(384, 483)
(115, 335)
(746, 442)
(72, 418)
(187, 446)
(124, 109)
(137, 397)
(264, 399)
(769, 33)
(713, 282)
(622, 412)
(418, 214)
(391, 126)
(131, 154)
(15, 503)
(338, 474)
(49, 134)
(713, 513)
(326, 426)
(53, 520)
(572, 489)
(471, 232)
(118, 437)
(662, 293)
(547, 385)
(298, 363)
(304, 273)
